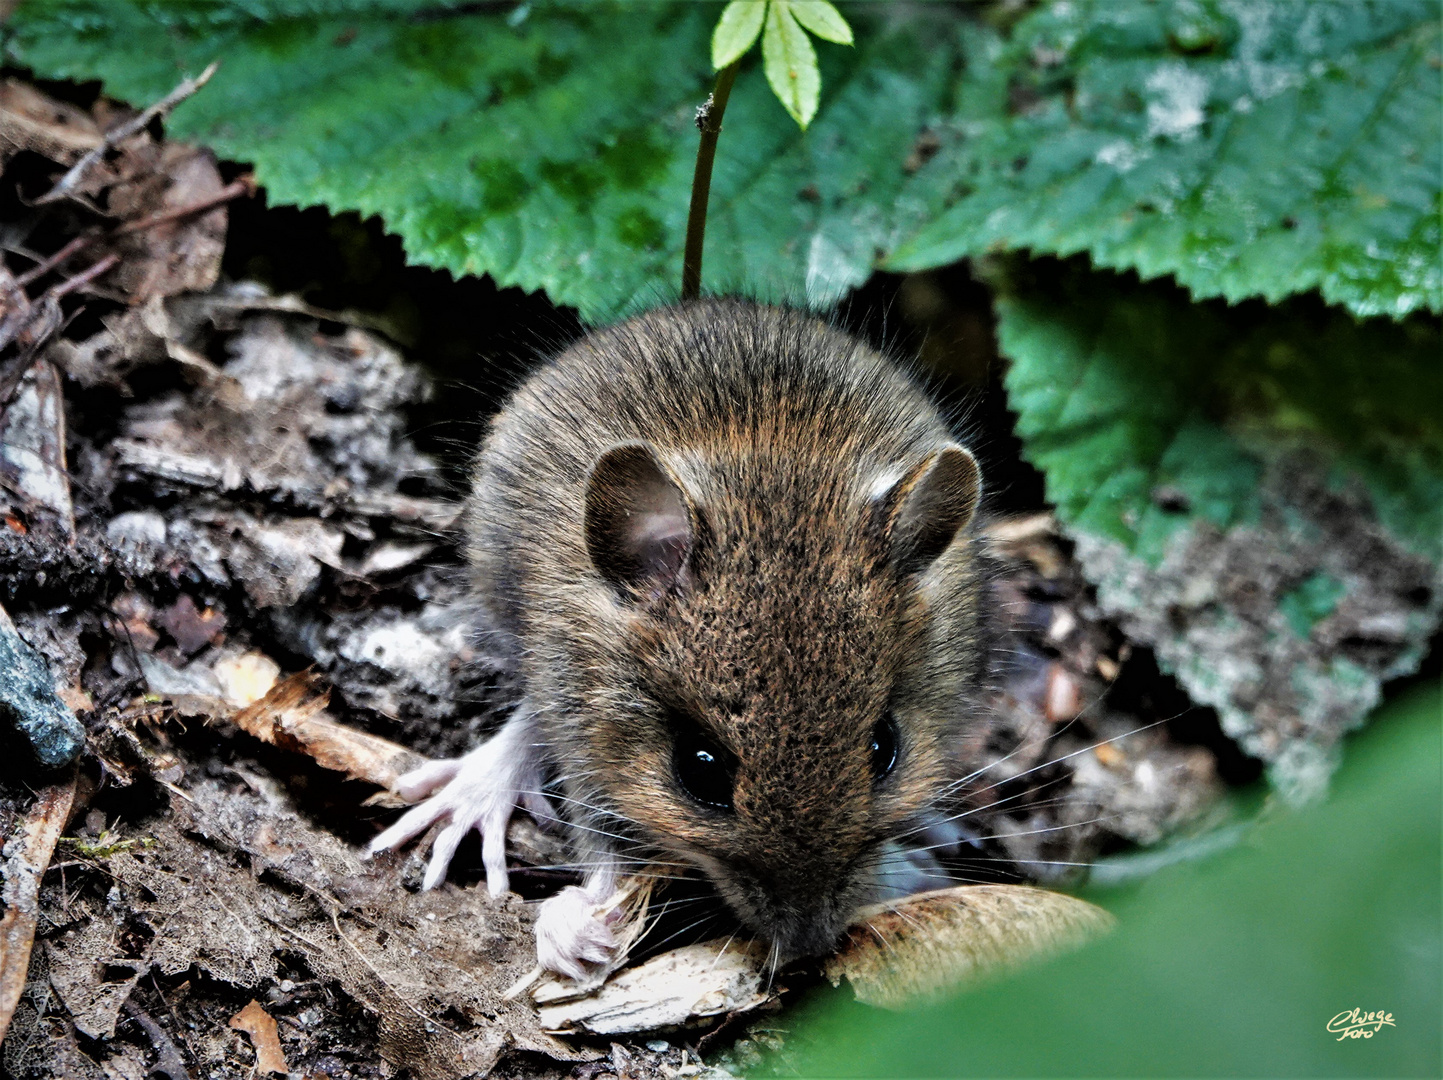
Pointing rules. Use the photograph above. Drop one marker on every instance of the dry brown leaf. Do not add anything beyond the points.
(30, 120)
(261, 1027)
(936, 942)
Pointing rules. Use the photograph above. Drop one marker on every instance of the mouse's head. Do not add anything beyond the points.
(790, 654)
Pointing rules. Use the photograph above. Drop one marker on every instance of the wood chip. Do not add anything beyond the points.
(935, 943)
(293, 716)
(261, 1027)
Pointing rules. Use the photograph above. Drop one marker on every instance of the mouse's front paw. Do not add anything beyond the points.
(574, 934)
(478, 791)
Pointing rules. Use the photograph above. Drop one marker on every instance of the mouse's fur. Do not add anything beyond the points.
(735, 518)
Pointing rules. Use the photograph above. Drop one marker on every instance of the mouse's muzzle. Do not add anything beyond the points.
(800, 915)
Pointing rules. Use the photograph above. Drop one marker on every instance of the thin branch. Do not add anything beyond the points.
(709, 120)
(234, 190)
(66, 185)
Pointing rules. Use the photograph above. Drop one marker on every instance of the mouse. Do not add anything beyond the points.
(732, 552)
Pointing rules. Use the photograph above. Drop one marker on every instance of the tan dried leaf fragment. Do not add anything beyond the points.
(261, 1027)
(938, 942)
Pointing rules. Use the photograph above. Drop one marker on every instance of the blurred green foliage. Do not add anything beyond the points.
(1229, 965)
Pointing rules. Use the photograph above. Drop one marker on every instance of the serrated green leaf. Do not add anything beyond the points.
(1253, 491)
(555, 153)
(550, 144)
(736, 31)
(1121, 390)
(822, 19)
(791, 63)
(1249, 148)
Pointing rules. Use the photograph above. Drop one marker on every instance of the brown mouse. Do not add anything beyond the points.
(731, 546)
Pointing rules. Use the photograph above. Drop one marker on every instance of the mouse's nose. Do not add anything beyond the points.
(807, 934)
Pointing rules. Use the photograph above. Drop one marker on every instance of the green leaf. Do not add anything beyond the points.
(1254, 491)
(1257, 149)
(1232, 965)
(822, 19)
(736, 31)
(553, 151)
(550, 144)
(791, 63)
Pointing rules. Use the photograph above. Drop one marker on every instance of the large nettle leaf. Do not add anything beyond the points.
(1257, 492)
(1248, 148)
(549, 145)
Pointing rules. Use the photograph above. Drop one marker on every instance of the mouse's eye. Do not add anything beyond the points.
(883, 747)
(704, 770)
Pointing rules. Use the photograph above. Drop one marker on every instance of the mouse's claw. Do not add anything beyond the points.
(478, 791)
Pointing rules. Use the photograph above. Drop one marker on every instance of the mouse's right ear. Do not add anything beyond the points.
(638, 528)
(929, 506)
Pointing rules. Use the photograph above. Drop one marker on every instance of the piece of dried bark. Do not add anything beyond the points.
(34, 477)
(27, 858)
(668, 991)
(938, 942)
(261, 1027)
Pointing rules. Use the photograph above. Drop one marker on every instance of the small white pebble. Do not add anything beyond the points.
(658, 1046)
(431, 915)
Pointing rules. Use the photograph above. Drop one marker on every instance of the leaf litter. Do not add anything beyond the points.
(242, 577)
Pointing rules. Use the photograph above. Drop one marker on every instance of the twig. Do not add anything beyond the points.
(34, 325)
(168, 1061)
(23, 871)
(85, 277)
(234, 190)
(66, 185)
(40, 269)
(709, 119)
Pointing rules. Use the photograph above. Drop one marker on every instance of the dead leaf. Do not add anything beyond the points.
(261, 1027)
(180, 255)
(932, 944)
(30, 120)
(192, 628)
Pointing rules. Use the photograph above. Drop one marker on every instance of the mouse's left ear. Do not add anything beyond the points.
(928, 507)
(638, 527)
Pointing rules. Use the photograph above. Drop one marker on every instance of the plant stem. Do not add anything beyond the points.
(709, 120)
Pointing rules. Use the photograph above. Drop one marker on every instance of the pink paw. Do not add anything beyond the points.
(571, 935)
(478, 791)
